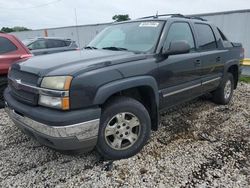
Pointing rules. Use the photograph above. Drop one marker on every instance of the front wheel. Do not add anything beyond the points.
(223, 94)
(3, 85)
(124, 129)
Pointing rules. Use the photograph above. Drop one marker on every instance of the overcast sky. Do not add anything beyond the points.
(36, 14)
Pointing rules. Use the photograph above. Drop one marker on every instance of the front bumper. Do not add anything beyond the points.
(78, 135)
(72, 137)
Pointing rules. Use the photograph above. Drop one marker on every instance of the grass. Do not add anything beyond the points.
(245, 79)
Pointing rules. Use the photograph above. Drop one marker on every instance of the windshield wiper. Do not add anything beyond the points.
(115, 48)
(90, 47)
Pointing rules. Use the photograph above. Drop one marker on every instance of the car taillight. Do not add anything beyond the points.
(26, 56)
(242, 56)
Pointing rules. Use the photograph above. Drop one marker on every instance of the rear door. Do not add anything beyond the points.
(179, 74)
(9, 53)
(212, 58)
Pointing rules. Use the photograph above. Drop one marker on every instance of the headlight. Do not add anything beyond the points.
(54, 102)
(57, 82)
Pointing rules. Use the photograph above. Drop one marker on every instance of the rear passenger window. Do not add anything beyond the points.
(6, 46)
(55, 43)
(206, 39)
(67, 43)
(180, 31)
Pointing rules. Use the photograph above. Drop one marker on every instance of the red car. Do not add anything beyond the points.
(11, 50)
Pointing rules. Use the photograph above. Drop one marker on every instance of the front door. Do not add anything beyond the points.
(180, 78)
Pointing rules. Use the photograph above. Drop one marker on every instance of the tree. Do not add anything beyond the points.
(121, 17)
(14, 29)
(19, 28)
(7, 30)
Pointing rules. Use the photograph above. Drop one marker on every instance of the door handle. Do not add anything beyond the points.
(197, 62)
(217, 59)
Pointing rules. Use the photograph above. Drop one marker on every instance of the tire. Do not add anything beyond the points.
(3, 85)
(223, 94)
(122, 119)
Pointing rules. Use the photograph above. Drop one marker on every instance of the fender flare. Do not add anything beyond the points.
(107, 90)
(229, 64)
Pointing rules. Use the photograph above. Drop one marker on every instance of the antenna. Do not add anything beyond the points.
(156, 14)
(77, 33)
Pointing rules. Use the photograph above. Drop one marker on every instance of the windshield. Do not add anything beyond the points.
(26, 42)
(133, 36)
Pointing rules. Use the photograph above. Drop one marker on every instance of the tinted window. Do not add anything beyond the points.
(6, 46)
(39, 44)
(55, 43)
(180, 31)
(68, 42)
(206, 39)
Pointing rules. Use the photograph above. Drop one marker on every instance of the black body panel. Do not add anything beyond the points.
(98, 74)
(49, 116)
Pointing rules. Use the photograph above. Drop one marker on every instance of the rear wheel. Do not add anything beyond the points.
(3, 85)
(124, 129)
(223, 94)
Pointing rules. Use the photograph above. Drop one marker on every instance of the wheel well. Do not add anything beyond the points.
(234, 70)
(3, 78)
(146, 96)
(3, 75)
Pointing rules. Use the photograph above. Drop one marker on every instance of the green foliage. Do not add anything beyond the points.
(121, 17)
(6, 30)
(245, 79)
(13, 29)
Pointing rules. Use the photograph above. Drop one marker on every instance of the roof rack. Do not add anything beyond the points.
(163, 15)
(197, 18)
(173, 16)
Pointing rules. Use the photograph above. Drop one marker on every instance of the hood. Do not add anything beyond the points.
(73, 62)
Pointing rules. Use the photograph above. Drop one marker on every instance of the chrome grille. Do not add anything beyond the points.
(20, 94)
(24, 76)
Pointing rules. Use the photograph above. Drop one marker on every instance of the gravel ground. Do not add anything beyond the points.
(199, 144)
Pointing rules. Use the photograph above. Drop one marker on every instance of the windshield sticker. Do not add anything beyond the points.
(149, 24)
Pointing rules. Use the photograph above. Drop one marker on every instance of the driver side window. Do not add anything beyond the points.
(180, 31)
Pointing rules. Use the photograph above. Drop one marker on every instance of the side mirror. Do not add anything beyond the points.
(177, 47)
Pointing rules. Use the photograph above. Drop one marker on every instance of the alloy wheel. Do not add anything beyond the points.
(122, 131)
(227, 89)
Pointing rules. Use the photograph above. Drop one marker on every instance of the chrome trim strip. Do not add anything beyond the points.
(212, 80)
(38, 90)
(191, 87)
(181, 90)
(82, 131)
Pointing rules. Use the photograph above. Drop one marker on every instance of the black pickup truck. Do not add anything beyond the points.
(109, 95)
